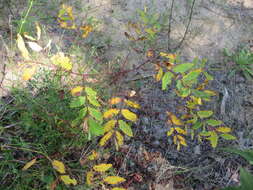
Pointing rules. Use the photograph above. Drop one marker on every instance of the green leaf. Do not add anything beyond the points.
(197, 125)
(82, 113)
(182, 67)
(231, 188)
(95, 129)
(246, 179)
(92, 100)
(208, 76)
(205, 114)
(76, 122)
(200, 94)
(228, 136)
(213, 122)
(179, 85)
(166, 80)
(77, 102)
(95, 113)
(90, 92)
(125, 128)
(205, 133)
(184, 92)
(246, 154)
(191, 76)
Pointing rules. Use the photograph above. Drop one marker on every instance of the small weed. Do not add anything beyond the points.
(241, 61)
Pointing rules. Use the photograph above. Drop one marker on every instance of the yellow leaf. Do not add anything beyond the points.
(175, 139)
(223, 129)
(110, 113)
(181, 140)
(174, 119)
(196, 100)
(29, 37)
(150, 53)
(21, 47)
(58, 166)
(89, 177)
(181, 131)
(115, 100)
(168, 55)
(159, 75)
(178, 146)
(105, 138)
(86, 30)
(109, 125)
(132, 104)
(67, 180)
(93, 156)
(38, 31)
(61, 60)
(28, 73)
(118, 188)
(210, 92)
(120, 138)
(102, 167)
(114, 180)
(29, 164)
(129, 115)
(76, 90)
(170, 132)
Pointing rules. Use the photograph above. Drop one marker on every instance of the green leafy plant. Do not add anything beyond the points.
(242, 61)
(189, 87)
(246, 178)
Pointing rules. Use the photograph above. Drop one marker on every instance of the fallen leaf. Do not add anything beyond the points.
(29, 164)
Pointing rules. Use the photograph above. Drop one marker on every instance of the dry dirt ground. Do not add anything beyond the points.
(215, 25)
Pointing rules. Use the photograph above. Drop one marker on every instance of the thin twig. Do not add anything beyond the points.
(188, 25)
(170, 20)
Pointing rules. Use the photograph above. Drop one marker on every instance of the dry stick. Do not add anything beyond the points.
(188, 26)
(170, 20)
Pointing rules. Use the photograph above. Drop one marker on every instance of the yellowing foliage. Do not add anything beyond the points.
(129, 115)
(22, 48)
(132, 104)
(109, 125)
(120, 138)
(66, 18)
(105, 138)
(94, 155)
(102, 167)
(118, 188)
(67, 180)
(76, 90)
(29, 164)
(110, 113)
(114, 180)
(223, 129)
(61, 60)
(115, 100)
(168, 55)
(174, 119)
(58, 166)
(86, 30)
(28, 73)
(89, 177)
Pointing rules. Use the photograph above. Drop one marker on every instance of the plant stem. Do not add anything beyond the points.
(26, 15)
(188, 25)
(170, 20)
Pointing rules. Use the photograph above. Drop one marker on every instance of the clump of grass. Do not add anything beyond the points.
(242, 62)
